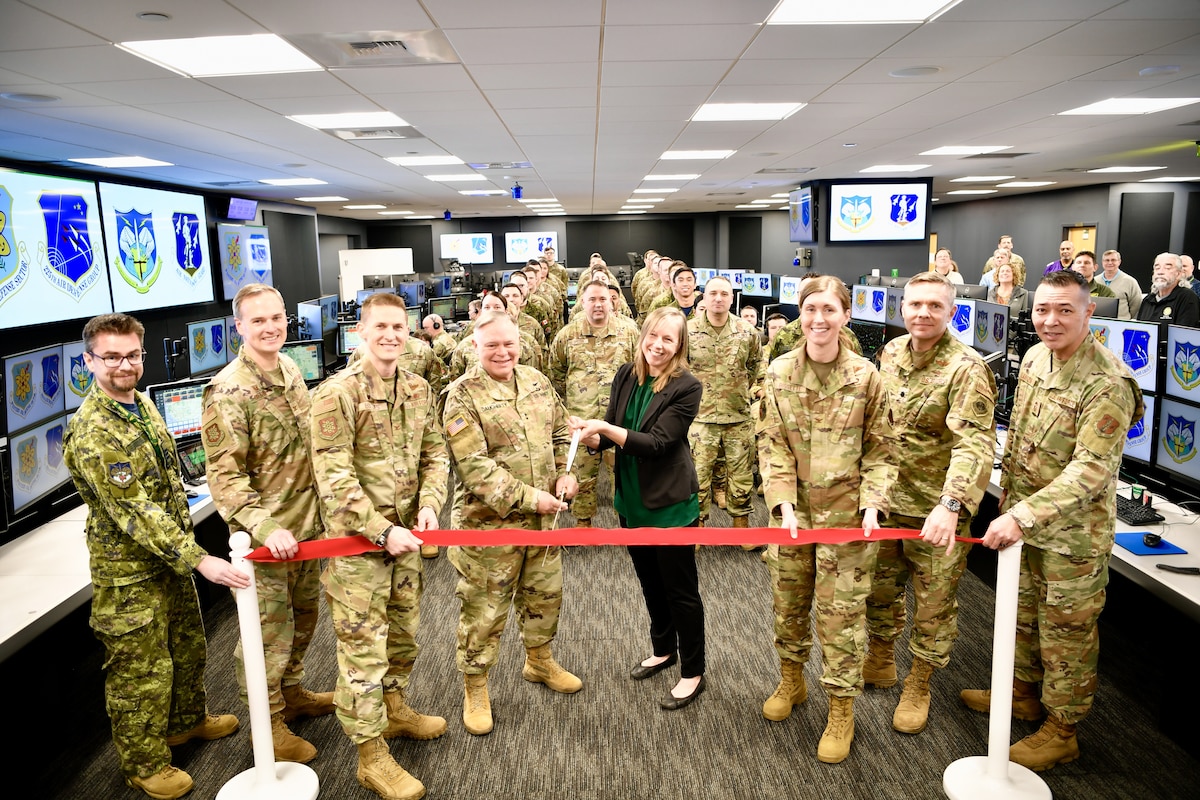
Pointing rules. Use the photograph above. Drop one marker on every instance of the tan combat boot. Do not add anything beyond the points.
(879, 668)
(540, 667)
(289, 746)
(300, 702)
(791, 691)
(403, 721)
(912, 712)
(166, 784)
(718, 496)
(429, 551)
(213, 726)
(1026, 704)
(839, 731)
(1053, 743)
(583, 522)
(380, 773)
(477, 706)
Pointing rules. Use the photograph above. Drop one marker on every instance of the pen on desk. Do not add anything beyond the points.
(1179, 570)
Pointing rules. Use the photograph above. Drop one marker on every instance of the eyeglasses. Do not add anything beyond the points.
(112, 362)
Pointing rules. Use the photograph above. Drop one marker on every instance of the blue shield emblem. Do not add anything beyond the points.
(855, 212)
(260, 257)
(200, 343)
(1185, 365)
(1180, 438)
(20, 395)
(51, 375)
(27, 462)
(137, 258)
(1101, 333)
(187, 242)
(904, 209)
(68, 244)
(806, 210)
(999, 327)
(54, 446)
(81, 378)
(962, 317)
(877, 301)
(218, 339)
(1137, 430)
(479, 245)
(981, 325)
(1136, 351)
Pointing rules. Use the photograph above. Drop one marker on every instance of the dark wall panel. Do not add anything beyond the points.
(745, 243)
(614, 238)
(1191, 228)
(1145, 231)
(417, 237)
(294, 256)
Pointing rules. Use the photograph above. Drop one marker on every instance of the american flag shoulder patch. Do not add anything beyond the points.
(456, 425)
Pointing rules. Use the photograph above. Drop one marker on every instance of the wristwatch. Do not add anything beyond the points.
(381, 539)
(950, 503)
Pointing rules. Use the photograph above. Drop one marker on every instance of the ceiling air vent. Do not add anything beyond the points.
(785, 170)
(374, 134)
(996, 155)
(376, 48)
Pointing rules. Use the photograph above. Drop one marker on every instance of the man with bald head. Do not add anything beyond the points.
(441, 341)
(1066, 254)
(1167, 300)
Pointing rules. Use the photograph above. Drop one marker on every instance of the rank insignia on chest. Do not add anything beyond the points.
(328, 427)
(120, 474)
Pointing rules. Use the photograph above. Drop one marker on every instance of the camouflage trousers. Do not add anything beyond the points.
(935, 579)
(587, 472)
(1059, 600)
(288, 594)
(737, 438)
(375, 605)
(833, 580)
(491, 581)
(155, 653)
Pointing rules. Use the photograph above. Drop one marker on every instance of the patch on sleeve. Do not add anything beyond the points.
(456, 425)
(214, 435)
(118, 470)
(329, 427)
(1108, 426)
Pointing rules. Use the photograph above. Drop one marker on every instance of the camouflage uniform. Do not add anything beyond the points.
(256, 438)
(506, 445)
(464, 356)
(443, 346)
(378, 459)
(141, 552)
(668, 299)
(537, 306)
(791, 335)
(582, 363)
(826, 453)
(525, 323)
(726, 362)
(636, 286)
(942, 405)
(1069, 423)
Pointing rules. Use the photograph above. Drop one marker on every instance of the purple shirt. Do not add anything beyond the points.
(1054, 266)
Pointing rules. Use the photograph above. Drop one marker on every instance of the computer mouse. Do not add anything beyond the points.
(1151, 539)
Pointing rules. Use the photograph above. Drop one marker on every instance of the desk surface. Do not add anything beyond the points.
(44, 575)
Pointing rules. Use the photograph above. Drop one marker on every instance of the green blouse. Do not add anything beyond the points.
(627, 498)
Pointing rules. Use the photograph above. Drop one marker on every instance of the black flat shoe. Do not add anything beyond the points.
(672, 703)
(640, 673)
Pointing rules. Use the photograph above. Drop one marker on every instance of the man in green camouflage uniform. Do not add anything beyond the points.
(515, 296)
(537, 305)
(641, 278)
(381, 469)
(724, 353)
(141, 552)
(441, 341)
(507, 432)
(683, 290)
(583, 359)
(255, 425)
(942, 399)
(1075, 404)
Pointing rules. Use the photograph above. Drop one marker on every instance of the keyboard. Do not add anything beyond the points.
(1132, 512)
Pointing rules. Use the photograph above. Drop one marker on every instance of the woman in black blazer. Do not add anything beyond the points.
(651, 406)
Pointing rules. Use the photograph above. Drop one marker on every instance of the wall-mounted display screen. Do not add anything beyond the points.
(467, 248)
(233, 339)
(1176, 439)
(1139, 443)
(245, 255)
(1135, 342)
(51, 251)
(758, 284)
(77, 378)
(157, 244)
(35, 461)
(329, 313)
(520, 247)
(1182, 380)
(33, 387)
(207, 345)
(802, 216)
(878, 212)
(242, 208)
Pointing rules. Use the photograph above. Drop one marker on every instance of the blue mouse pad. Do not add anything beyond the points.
(1134, 544)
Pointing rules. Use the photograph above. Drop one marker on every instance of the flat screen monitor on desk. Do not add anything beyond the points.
(1135, 343)
(309, 356)
(789, 310)
(1139, 443)
(180, 404)
(35, 464)
(33, 387)
(414, 319)
(1176, 442)
(973, 291)
(1182, 379)
(348, 338)
(207, 343)
(1106, 307)
(443, 307)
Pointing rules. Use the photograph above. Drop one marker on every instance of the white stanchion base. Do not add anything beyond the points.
(292, 782)
(967, 779)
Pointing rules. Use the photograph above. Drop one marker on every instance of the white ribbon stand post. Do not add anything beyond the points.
(266, 780)
(994, 777)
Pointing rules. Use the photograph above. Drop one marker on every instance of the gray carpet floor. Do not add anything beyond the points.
(611, 740)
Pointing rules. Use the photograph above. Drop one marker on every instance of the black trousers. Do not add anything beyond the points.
(672, 591)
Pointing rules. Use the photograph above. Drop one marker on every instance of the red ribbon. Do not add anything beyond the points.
(587, 537)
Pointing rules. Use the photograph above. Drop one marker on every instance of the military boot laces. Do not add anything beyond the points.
(879, 669)
(834, 746)
(288, 746)
(477, 706)
(540, 667)
(380, 773)
(406, 722)
(791, 691)
(300, 702)
(166, 784)
(912, 712)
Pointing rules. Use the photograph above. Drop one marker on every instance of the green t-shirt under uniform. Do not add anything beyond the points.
(627, 498)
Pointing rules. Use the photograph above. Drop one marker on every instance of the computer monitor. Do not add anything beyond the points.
(871, 336)
(870, 280)
(233, 339)
(413, 293)
(1139, 443)
(329, 313)
(1176, 441)
(572, 289)
(309, 356)
(973, 291)
(789, 310)
(362, 294)
(894, 281)
(33, 387)
(35, 464)
(1182, 378)
(439, 286)
(309, 316)
(376, 281)
(443, 307)
(1106, 307)
(77, 378)
(207, 346)
(348, 338)
(180, 404)
(462, 305)
(868, 303)
(414, 319)
(1135, 343)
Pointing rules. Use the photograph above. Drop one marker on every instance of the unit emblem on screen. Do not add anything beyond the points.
(1137, 434)
(981, 324)
(200, 343)
(81, 380)
(855, 212)
(1180, 438)
(14, 271)
(235, 269)
(904, 209)
(235, 341)
(218, 338)
(27, 462)
(962, 317)
(137, 262)
(54, 446)
(51, 382)
(187, 244)
(1185, 365)
(21, 395)
(999, 327)
(1101, 334)
(68, 264)
(1136, 352)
